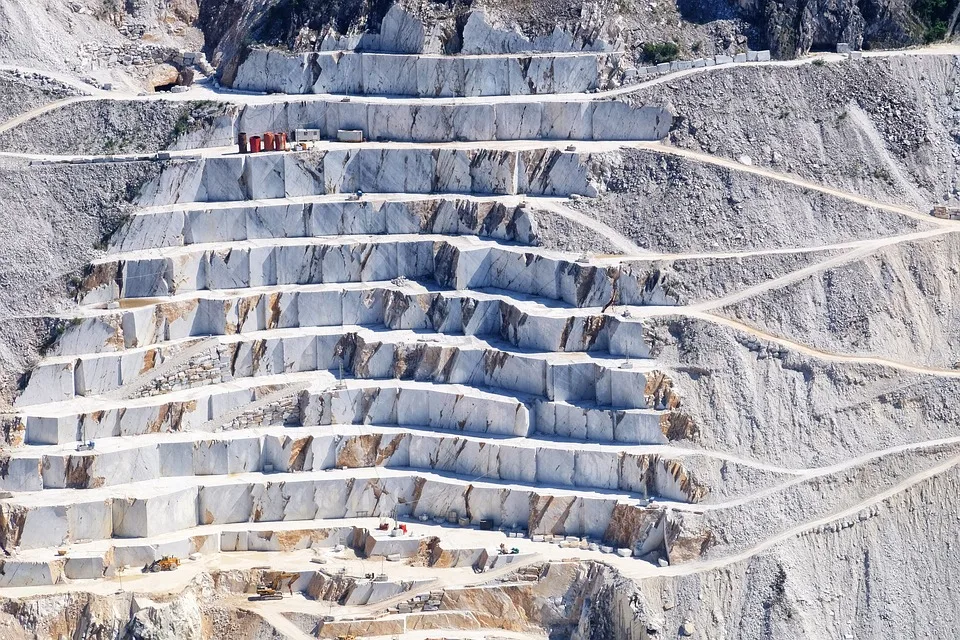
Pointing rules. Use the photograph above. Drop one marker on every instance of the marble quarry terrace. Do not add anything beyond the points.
(265, 362)
(256, 353)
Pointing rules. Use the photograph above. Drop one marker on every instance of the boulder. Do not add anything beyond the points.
(162, 75)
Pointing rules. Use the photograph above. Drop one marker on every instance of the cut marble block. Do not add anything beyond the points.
(49, 383)
(51, 525)
(22, 473)
(30, 573)
(85, 567)
(598, 424)
(262, 539)
(551, 172)
(161, 511)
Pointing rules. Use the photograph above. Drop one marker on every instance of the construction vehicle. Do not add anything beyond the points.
(274, 590)
(166, 563)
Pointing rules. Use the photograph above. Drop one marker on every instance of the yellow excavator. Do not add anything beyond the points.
(166, 563)
(274, 589)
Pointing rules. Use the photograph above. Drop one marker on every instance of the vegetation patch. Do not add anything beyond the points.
(935, 16)
(658, 52)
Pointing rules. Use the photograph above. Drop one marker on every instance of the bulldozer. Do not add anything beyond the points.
(166, 563)
(274, 590)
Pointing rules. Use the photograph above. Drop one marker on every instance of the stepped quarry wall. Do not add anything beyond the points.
(347, 72)
(257, 368)
(391, 170)
(100, 126)
(426, 122)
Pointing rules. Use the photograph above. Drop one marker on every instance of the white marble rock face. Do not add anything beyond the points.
(415, 75)
(478, 367)
(418, 122)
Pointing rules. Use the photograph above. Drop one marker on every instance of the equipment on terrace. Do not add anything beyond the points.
(166, 563)
(274, 590)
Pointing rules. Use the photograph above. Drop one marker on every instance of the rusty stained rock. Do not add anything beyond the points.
(273, 304)
(257, 351)
(14, 430)
(367, 450)
(244, 306)
(12, 520)
(659, 391)
(679, 426)
(555, 509)
(685, 481)
(428, 553)
(362, 353)
(196, 543)
(359, 451)
(173, 311)
(418, 361)
(149, 360)
(630, 525)
(156, 425)
(513, 608)
(684, 545)
(590, 331)
(116, 341)
(299, 448)
(290, 540)
(77, 475)
(651, 466)
(101, 274)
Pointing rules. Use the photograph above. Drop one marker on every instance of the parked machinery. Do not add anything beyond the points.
(274, 589)
(166, 563)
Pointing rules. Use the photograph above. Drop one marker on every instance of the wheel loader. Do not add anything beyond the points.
(166, 563)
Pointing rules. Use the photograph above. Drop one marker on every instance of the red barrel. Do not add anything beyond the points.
(268, 141)
(283, 142)
(255, 144)
(242, 142)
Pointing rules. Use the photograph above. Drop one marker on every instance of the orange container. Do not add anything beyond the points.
(255, 144)
(282, 137)
(268, 141)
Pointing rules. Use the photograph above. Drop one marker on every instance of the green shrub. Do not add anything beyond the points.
(934, 15)
(657, 52)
